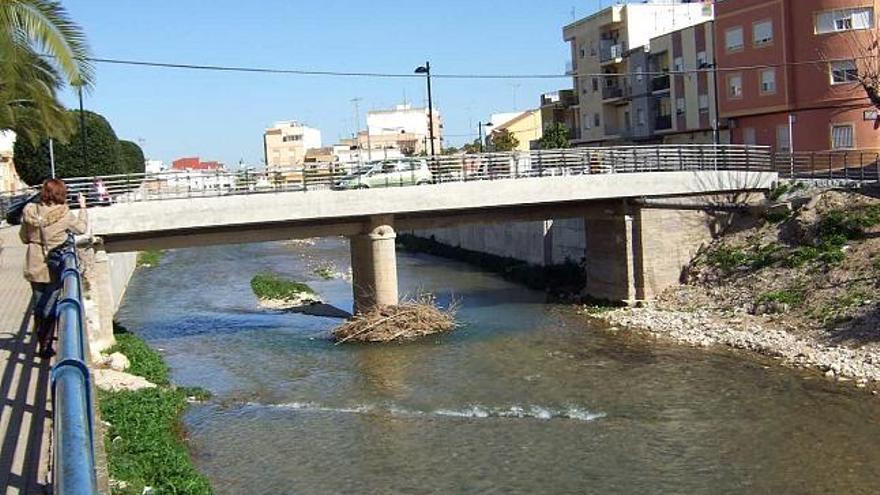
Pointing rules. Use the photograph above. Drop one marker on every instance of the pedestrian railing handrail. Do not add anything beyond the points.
(412, 171)
(74, 434)
(847, 165)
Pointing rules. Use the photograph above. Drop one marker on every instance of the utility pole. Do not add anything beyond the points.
(357, 124)
(426, 70)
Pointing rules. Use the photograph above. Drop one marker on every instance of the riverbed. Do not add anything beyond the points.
(525, 397)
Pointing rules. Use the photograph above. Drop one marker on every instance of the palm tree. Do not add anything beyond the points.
(41, 49)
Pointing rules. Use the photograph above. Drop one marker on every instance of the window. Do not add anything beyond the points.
(842, 136)
(844, 71)
(583, 51)
(595, 84)
(588, 123)
(679, 106)
(640, 116)
(749, 136)
(678, 64)
(844, 20)
(639, 72)
(734, 39)
(702, 60)
(292, 137)
(768, 81)
(762, 33)
(704, 103)
(596, 120)
(592, 48)
(782, 141)
(735, 86)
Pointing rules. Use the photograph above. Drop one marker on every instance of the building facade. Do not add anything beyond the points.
(561, 107)
(526, 127)
(9, 180)
(607, 48)
(788, 73)
(285, 144)
(404, 128)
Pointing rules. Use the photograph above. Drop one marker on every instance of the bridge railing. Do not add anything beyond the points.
(411, 171)
(74, 435)
(847, 165)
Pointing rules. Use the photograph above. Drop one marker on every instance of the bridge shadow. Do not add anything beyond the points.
(861, 330)
(26, 416)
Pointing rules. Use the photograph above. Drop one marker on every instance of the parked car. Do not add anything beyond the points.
(16, 207)
(389, 173)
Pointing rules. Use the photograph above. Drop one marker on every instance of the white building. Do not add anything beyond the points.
(9, 180)
(286, 143)
(403, 128)
(154, 166)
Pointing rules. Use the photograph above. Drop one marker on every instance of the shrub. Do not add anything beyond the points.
(793, 296)
(779, 191)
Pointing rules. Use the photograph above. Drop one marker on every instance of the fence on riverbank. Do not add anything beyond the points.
(74, 425)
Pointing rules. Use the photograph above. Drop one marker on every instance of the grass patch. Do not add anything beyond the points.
(793, 296)
(837, 309)
(755, 257)
(326, 272)
(145, 361)
(273, 286)
(150, 257)
(849, 224)
(144, 440)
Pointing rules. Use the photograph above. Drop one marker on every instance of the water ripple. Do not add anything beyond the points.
(471, 411)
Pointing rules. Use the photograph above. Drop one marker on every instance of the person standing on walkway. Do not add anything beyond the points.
(45, 229)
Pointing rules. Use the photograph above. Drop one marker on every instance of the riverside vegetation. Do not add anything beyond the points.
(143, 436)
(276, 292)
(801, 283)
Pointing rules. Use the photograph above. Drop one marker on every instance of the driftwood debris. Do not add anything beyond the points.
(406, 321)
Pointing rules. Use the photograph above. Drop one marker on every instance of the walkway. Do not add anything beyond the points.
(25, 418)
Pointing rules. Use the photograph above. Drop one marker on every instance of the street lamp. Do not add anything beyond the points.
(480, 126)
(426, 70)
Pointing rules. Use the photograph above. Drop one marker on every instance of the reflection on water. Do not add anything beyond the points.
(524, 398)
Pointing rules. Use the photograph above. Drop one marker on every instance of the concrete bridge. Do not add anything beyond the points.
(636, 245)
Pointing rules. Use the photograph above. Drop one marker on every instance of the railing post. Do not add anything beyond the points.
(845, 166)
(830, 165)
(748, 160)
(861, 166)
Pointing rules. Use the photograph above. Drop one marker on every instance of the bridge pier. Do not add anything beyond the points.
(374, 265)
(633, 252)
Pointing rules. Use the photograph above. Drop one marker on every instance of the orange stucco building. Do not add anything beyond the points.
(786, 72)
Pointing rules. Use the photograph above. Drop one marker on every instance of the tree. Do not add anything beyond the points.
(471, 148)
(555, 136)
(503, 140)
(860, 64)
(450, 150)
(103, 153)
(41, 49)
(133, 161)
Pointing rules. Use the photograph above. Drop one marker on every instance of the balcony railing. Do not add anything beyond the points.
(663, 122)
(612, 92)
(660, 83)
(610, 50)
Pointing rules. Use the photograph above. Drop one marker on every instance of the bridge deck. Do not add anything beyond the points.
(25, 417)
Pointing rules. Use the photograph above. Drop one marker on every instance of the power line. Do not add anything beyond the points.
(302, 72)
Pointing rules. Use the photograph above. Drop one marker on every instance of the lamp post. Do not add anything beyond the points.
(480, 126)
(426, 70)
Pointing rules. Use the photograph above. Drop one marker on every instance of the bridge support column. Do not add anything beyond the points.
(374, 265)
(634, 252)
(101, 335)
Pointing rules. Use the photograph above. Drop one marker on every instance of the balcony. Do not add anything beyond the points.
(612, 92)
(660, 83)
(663, 122)
(611, 51)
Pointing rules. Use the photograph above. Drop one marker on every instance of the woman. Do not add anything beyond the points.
(44, 228)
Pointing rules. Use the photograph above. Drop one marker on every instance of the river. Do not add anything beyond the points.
(525, 397)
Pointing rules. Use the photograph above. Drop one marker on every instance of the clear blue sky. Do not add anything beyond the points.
(222, 115)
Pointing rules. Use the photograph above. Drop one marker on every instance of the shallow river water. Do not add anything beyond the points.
(525, 397)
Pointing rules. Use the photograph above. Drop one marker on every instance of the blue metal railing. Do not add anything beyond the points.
(74, 455)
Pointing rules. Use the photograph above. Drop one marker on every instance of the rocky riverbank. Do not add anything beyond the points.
(800, 283)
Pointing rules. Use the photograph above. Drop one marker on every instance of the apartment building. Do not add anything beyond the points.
(560, 107)
(788, 73)
(285, 144)
(404, 128)
(607, 48)
(9, 180)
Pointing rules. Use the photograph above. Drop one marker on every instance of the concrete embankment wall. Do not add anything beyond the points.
(546, 243)
(122, 267)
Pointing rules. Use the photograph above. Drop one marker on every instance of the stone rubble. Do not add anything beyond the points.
(704, 329)
(117, 381)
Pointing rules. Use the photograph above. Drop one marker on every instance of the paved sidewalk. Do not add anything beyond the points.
(26, 417)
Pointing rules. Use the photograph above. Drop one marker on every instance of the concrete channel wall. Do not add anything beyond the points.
(122, 267)
(545, 243)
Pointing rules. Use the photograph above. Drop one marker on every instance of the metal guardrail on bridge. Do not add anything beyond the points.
(844, 165)
(414, 171)
(74, 435)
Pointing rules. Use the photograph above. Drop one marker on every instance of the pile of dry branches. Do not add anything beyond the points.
(408, 320)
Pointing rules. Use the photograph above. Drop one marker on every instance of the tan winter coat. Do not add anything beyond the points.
(44, 228)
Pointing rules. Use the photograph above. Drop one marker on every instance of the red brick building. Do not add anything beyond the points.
(782, 58)
(194, 163)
